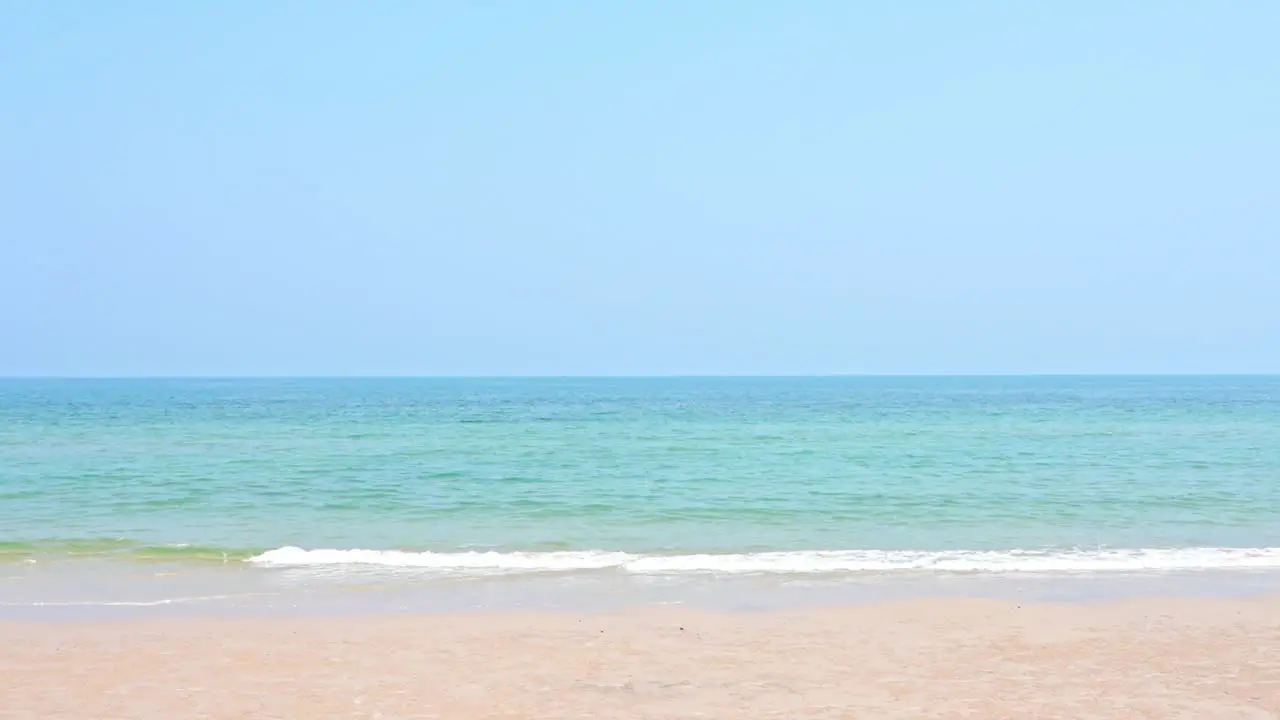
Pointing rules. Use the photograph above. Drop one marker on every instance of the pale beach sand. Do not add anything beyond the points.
(1199, 659)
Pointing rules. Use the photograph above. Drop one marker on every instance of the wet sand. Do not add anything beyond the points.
(1199, 659)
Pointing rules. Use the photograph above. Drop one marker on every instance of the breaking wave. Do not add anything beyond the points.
(801, 562)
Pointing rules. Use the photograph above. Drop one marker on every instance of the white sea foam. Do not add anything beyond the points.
(449, 562)
(794, 562)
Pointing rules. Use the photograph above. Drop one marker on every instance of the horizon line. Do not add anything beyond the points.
(661, 376)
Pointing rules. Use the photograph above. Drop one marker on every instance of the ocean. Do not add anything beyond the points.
(267, 487)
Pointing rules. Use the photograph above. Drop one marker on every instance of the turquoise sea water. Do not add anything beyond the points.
(697, 475)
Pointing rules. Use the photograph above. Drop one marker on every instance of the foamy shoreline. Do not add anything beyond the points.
(1158, 658)
(801, 562)
(115, 590)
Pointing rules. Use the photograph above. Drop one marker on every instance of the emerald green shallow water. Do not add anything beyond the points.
(647, 475)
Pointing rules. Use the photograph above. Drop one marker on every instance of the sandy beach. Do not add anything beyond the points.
(1189, 658)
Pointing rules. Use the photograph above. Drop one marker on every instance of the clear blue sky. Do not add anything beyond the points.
(754, 187)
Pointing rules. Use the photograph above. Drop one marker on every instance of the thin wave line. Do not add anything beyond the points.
(794, 562)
